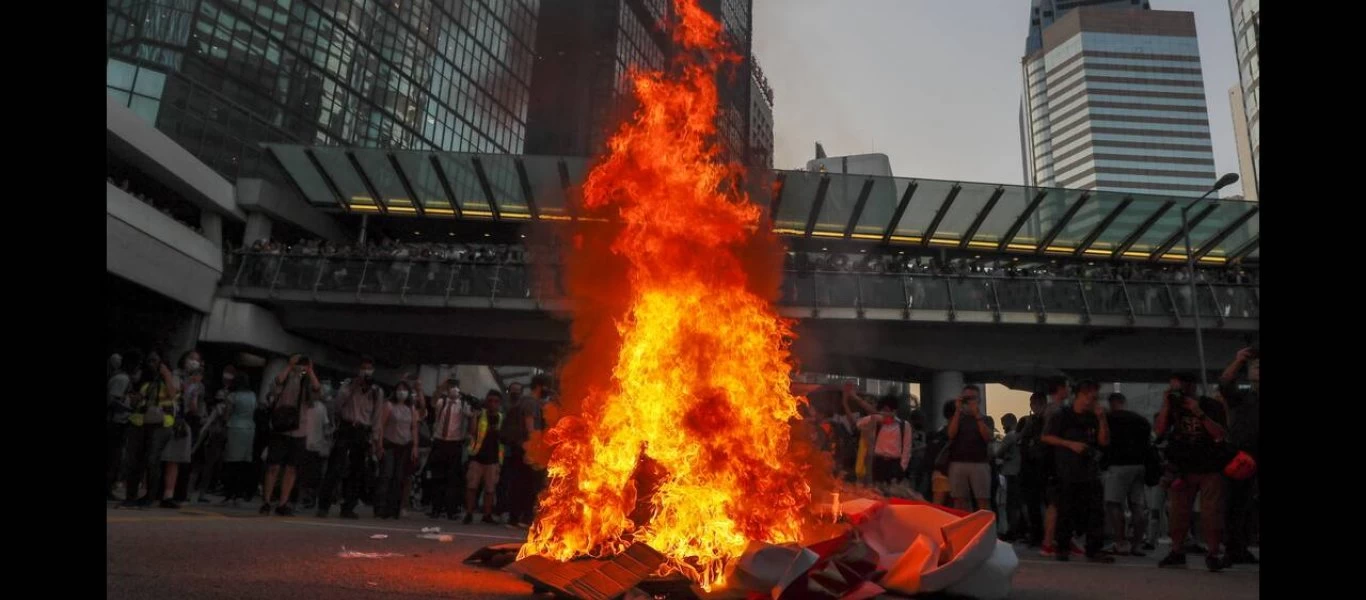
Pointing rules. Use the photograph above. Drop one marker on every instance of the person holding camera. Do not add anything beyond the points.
(1076, 434)
(295, 388)
(969, 472)
(357, 403)
(1244, 433)
(1194, 429)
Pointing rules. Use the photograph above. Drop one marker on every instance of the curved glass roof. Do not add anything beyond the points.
(1010, 219)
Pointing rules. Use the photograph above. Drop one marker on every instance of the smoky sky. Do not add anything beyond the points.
(934, 84)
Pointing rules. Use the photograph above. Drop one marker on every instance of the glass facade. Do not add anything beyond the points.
(1247, 36)
(222, 76)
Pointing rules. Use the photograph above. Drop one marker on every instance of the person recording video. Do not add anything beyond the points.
(1194, 428)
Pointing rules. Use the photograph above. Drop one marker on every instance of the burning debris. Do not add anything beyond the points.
(684, 445)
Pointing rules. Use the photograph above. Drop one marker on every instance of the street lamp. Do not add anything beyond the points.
(1225, 181)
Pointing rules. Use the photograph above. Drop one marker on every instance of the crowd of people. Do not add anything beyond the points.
(180, 431)
(1076, 467)
(964, 267)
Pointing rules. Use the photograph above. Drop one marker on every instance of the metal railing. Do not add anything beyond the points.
(994, 294)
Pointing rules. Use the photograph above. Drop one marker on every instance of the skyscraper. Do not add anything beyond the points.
(1114, 100)
(585, 50)
(1247, 37)
(760, 119)
(221, 76)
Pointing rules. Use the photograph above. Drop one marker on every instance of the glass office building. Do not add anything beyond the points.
(219, 77)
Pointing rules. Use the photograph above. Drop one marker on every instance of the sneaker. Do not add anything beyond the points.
(1173, 559)
(1048, 551)
(128, 504)
(488, 520)
(284, 510)
(1104, 559)
(265, 509)
(1213, 563)
(469, 518)
(169, 503)
(1077, 551)
(349, 514)
(1241, 558)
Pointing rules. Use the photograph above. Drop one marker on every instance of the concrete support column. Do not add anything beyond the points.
(942, 387)
(183, 338)
(258, 227)
(273, 369)
(212, 224)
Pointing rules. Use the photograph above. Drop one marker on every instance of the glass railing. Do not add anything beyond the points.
(995, 294)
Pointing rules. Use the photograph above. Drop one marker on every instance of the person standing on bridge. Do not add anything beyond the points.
(1076, 435)
(357, 404)
(969, 437)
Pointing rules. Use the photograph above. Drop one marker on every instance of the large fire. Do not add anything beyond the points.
(696, 407)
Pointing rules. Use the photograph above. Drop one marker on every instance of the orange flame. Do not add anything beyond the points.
(697, 404)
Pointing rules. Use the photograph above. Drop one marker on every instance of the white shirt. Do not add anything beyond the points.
(451, 417)
(315, 427)
(888, 443)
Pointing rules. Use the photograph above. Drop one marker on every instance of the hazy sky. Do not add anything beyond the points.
(934, 84)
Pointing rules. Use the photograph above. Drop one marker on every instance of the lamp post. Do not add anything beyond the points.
(1223, 182)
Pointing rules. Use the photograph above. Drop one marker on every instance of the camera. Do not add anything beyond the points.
(1174, 397)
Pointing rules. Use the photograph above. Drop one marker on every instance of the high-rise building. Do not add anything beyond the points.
(219, 77)
(1114, 101)
(585, 50)
(1243, 141)
(1247, 37)
(760, 119)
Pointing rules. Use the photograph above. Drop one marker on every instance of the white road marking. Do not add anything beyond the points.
(413, 531)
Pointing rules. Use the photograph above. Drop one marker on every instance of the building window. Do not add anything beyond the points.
(135, 87)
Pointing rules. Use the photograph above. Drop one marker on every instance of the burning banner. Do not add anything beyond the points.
(678, 404)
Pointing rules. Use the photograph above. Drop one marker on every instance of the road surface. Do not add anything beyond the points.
(211, 553)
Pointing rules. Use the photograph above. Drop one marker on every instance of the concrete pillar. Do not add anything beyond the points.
(273, 368)
(942, 387)
(258, 227)
(183, 338)
(212, 224)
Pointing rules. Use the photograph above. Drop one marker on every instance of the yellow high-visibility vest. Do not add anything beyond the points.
(482, 430)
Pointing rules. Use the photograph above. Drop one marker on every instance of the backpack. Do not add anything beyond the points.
(1032, 447)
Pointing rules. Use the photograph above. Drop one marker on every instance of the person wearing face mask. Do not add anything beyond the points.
(447, 461)
(396, 443)
(180, 458)
(357, 403)
(239, 473)
(295, 389)
(151, 423)
(213, 437)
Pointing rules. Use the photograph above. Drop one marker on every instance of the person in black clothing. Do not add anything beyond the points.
(1195, 430)
(939, 474)
(1244, 432)
(1130, 442)
(1032, 469)
(486, 457)
(1075, 434)
(969, 462)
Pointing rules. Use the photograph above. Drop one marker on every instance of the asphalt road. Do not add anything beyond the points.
(212, 553)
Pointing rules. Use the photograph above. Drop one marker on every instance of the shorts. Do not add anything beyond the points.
(940, 483)
(480, 472)
(1125, 482)
(285, 449)
(969, 480)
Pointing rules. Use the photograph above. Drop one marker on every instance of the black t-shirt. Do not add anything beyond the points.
(1190, 447)
(488, 452)
(1085, 428)
(1244, 417)
(1130, 436)
(968, 446)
